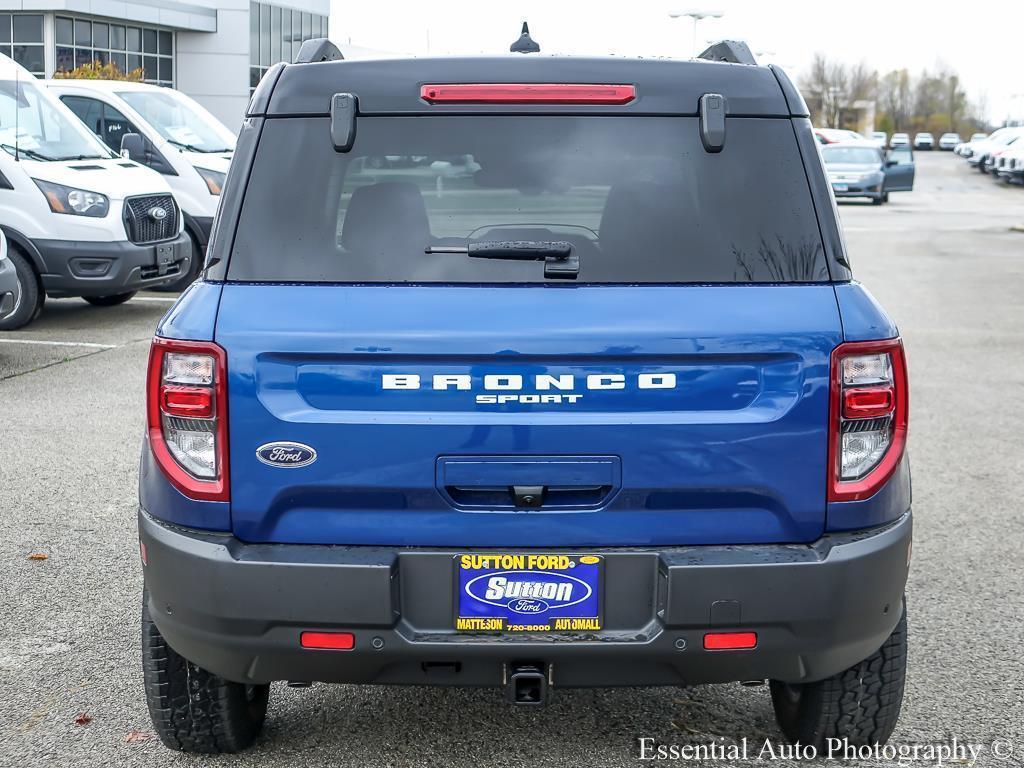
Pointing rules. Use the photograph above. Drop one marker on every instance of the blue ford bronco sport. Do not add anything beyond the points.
(527, 372)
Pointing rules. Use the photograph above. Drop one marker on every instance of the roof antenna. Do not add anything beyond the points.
(525, 43)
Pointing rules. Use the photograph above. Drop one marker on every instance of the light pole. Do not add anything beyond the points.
(696, 15)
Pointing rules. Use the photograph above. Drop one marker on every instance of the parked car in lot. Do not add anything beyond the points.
(180, 139)
(980, 152)
(10, 289)
(948, 141)
(833, 135)
(900, 140)
(924, 141)
(514, 439)
(861, 169)
(968, 148)
(879, 138)
(978, 136)
(79, 220)
(1010, 165)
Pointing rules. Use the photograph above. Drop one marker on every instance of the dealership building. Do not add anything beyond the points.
(213, 50)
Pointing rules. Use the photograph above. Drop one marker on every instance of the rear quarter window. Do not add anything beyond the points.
(637, 197)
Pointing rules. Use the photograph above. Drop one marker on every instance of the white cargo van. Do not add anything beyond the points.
(180, 139)
(79, 219)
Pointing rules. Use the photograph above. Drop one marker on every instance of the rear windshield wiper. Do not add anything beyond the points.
(560, 262)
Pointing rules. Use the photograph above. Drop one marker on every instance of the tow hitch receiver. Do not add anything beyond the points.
(528, 684)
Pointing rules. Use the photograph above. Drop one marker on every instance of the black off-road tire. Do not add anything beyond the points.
(194, 710)
(861, 704)
(30, 302)
(109, 301)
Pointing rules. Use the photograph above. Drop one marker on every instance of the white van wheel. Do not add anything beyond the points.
(29, 301)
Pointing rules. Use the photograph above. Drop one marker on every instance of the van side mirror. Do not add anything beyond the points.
(890, 163)
(133, 147)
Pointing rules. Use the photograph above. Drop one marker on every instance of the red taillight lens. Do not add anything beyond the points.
(868, 403)
(868, 417)
(730, 641)
(527, 93)
(188, 402)
(187, 416)
(328, 641)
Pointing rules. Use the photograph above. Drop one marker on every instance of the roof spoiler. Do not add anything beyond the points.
(730, 51)
(318, 49)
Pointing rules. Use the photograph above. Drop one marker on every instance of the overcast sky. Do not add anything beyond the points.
(888, 35)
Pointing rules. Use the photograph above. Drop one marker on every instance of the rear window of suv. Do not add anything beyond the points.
(638, 198)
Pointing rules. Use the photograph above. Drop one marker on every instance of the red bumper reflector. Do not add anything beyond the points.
(187, 402)
(527, 93)
(729, 641)
(328, 641)
(868, 403)
(143, 553)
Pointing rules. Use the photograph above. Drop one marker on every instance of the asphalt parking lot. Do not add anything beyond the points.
(942, 260)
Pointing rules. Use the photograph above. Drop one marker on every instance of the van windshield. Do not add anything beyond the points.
(637, 198)
(33, 126)
(184, 125)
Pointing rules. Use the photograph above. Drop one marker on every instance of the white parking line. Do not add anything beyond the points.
(91, 344)
(155, 298)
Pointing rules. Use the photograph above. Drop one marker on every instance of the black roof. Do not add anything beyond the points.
(392, 86)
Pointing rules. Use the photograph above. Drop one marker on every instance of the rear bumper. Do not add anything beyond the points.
(859, 191)
(238, 609)
(84, 268)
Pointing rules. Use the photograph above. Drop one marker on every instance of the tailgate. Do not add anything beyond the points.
(529, 416)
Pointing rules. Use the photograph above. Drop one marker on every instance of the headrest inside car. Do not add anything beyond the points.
(385, 217)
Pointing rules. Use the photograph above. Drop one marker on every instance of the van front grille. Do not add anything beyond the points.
(151, 218)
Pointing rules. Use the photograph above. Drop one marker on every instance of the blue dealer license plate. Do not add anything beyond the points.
(528, 593)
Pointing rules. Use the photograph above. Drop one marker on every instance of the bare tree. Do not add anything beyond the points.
(832, 87)
(931, 101)
(894, 98)
(827, 83)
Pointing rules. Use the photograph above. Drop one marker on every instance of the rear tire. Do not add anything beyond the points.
(29, 303)
(194, 710)
(861, 704)
(877, 200)
(109, 301)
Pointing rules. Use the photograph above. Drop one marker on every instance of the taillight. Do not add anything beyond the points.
(187, 416)
(527, 93)
(868, 417)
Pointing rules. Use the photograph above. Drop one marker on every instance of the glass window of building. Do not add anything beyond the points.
(276, 34)
(21, 38)
(129, 47)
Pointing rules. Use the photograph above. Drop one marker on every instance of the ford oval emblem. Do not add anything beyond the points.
(283, 454)
(156, 213)
(528, 605)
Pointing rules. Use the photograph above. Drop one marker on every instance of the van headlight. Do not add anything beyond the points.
(72, 201)
(214, 179)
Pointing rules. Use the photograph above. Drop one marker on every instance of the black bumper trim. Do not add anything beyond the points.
(86, 268)
(237, 609)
